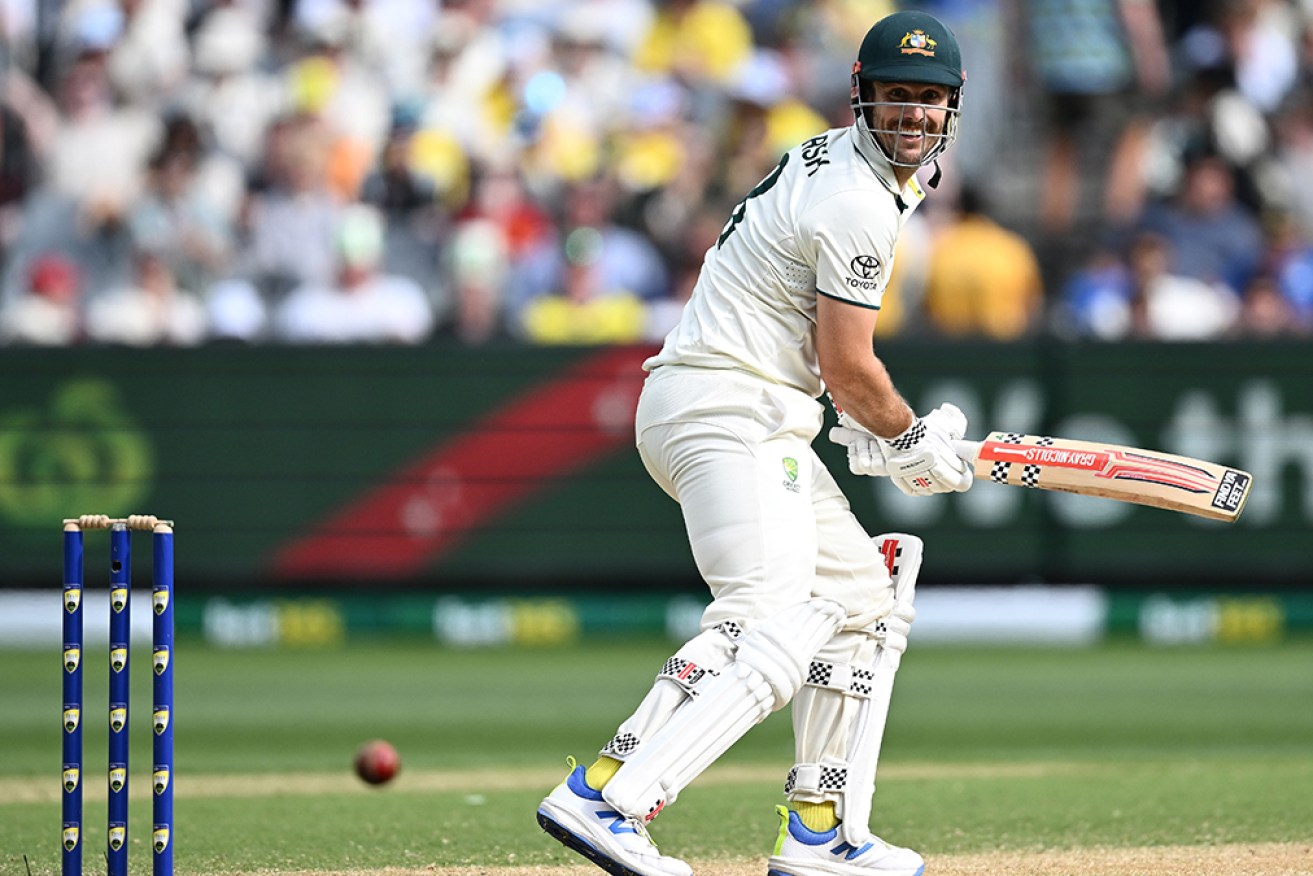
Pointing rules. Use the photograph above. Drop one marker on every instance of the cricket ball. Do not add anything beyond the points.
(377, 762)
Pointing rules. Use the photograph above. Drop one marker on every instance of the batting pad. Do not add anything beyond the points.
(839, 716)
(768, 671)
(682, 677)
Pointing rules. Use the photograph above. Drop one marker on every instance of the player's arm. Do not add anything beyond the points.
(853, 374)
(916, 452)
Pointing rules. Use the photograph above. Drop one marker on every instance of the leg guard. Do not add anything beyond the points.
(839, 716)
(767, 672)
(683, 676)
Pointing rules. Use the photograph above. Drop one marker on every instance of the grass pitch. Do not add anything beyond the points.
(1117, 759)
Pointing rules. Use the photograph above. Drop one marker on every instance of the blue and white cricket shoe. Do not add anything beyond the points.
(578, 817)
(801, 851)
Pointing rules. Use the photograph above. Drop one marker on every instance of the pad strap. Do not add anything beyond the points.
(814, 780)
(845, 678)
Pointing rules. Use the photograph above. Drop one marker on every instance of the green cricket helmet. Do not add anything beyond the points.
(912, 47)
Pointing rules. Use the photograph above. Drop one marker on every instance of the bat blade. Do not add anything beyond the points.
(1127, 474)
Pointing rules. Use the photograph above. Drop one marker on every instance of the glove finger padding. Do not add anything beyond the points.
(922, 462)
(843, 435)
(948, 420)
(865, 456)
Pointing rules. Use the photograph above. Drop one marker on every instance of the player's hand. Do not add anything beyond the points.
(865, 456)
(922, 462)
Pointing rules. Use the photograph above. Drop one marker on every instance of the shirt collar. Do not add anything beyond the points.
(884, 171)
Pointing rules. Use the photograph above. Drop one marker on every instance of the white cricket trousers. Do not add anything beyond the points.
(768, 525)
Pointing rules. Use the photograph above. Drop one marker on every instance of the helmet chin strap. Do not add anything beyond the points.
(933, 182)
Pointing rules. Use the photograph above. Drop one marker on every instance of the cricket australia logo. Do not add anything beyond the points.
(791, 475)
(917, 43)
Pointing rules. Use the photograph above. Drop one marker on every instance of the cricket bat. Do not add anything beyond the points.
(1127, 474)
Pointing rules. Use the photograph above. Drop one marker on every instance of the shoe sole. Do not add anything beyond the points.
(775, 871)
(575, 844)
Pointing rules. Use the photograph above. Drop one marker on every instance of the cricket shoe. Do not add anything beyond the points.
(578, 817)
(801, 851)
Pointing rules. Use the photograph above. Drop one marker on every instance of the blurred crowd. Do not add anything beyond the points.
(176, 172)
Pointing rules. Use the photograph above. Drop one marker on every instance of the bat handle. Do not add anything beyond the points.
(968, 450)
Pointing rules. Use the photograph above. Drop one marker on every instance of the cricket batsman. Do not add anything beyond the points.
(806, 607)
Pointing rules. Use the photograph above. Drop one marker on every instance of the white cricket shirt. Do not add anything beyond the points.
(825, 222)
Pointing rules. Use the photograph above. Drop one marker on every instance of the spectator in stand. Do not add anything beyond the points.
(1095, 301)
(477, 266)
(48, 312)
(1256, 40)
(498, 194)
(1293, 160)
(149, 311)
(360, 305)
(1290, 265)
(1097, 62)
(232, 98)
(593, 283)
(407, 199)
(983, 280)
(702, 42)
(348, 99)
(293, 215)
(1169, 306)
(571, 98)
(463, 100)
(95, 122)
(1266, 313)
(175, 216)
(387, 36)
(19, 170)
(1211, 235)
(237, 312)
(151, 56)
(92, 160)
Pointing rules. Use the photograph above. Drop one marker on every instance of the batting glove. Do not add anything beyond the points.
(865, 456)
(921, 461)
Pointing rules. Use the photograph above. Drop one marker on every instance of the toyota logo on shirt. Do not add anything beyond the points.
(867, 269)
(865, 266)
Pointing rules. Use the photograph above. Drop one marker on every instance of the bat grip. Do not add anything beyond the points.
(968, 450)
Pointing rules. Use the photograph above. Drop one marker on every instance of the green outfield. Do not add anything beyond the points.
(988, 751)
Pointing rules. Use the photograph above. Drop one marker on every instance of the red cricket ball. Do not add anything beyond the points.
(377, 762)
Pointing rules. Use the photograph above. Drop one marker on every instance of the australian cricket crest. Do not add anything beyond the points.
(917, 42)
(160, 839)
(118, 834)
(791, 475)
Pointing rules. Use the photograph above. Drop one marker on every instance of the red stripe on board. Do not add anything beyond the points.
(428, 507)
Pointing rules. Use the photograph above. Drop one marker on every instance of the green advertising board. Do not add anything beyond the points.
(512, 468)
